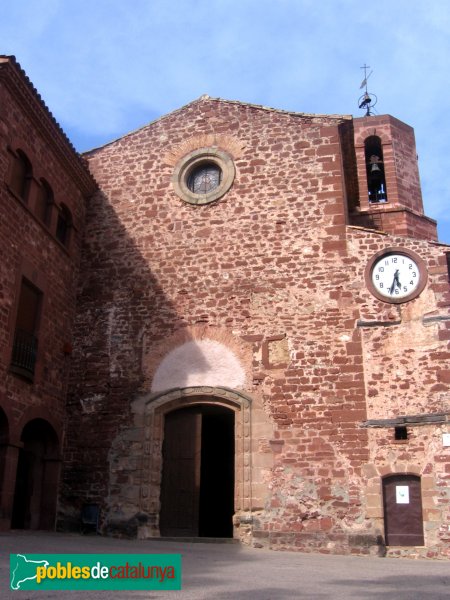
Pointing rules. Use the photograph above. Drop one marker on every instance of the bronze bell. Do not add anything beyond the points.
(375, 171)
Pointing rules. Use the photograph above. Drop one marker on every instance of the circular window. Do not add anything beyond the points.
(203, 176)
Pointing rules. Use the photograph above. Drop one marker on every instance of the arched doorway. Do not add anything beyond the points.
(402, 500)
(37, 476)
(4, 437)
(197, 487)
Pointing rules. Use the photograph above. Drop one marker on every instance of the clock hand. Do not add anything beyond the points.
(391, 289)
(395, 282)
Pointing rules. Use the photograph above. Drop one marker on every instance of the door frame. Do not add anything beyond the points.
(156, 406)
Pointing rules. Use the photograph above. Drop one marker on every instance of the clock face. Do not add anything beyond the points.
(396, 277)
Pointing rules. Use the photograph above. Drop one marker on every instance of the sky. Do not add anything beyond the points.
(107, 67)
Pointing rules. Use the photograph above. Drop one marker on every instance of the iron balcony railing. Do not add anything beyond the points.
(23, 359)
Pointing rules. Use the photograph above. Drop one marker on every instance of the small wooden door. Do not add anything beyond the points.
(403, 522)
(180, 486)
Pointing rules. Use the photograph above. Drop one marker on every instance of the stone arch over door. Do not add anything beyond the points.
(160, 404)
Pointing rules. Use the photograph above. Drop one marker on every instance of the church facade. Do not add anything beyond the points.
(259, 343)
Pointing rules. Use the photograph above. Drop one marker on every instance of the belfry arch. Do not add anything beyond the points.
(193, 400)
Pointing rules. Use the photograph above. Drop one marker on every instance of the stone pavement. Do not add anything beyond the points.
(217, 571)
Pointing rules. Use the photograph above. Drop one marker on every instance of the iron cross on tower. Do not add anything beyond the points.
(366, 101)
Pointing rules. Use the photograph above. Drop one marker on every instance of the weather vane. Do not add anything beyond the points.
(367, 101)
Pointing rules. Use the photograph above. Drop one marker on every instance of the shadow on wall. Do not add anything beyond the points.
(119, 304)
(122, 308)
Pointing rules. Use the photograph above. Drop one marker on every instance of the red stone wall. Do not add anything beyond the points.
(271, 265)
(271, 277)
(263, 263)
(406, 354)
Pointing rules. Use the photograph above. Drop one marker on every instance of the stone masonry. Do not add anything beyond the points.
(263, 293)
(206, 352)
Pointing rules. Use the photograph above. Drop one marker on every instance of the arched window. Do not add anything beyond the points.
(376, 181)
(44, 202)
(63, 225)
(21, 175)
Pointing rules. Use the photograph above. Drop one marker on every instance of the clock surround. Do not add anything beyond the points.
(396, 275)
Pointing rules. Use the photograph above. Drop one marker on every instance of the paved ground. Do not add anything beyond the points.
(230, 571)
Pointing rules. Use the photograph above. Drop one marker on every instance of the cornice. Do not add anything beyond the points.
(19, 85)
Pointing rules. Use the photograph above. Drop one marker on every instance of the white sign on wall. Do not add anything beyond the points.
(402, 494)
(446, 439)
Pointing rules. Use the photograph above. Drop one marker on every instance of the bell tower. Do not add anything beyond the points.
(389, 196)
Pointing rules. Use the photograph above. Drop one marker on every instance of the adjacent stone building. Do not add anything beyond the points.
(261, 335)
(43, 188)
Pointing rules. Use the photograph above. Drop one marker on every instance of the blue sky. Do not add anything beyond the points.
(105, 67)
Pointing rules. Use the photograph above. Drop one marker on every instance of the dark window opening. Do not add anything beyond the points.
(401, 433)
(376, 182)
(447, 256)
(21, 175)
(25, 345)
(63, 225)
(44, 202)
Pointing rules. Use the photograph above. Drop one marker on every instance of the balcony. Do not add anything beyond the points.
(23, 359)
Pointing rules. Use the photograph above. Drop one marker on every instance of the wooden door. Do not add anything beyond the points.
(180, 486)
(403, 521)
(21, 515)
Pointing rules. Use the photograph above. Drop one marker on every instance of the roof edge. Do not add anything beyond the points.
(207, 98)
(20, 84)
